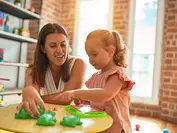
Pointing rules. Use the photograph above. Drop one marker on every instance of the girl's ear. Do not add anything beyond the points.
(111, 51)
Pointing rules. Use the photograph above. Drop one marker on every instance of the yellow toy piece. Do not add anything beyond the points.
(1, 103)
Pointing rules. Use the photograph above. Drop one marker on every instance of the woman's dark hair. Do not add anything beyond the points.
(41, 61)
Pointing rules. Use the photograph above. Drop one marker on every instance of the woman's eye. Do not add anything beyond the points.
(63, 44)
(53, 46)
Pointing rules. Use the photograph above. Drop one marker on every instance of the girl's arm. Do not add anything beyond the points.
(112, 87)
(76, 81)
(53, 100)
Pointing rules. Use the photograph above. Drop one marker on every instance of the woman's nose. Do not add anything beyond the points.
(59, 49)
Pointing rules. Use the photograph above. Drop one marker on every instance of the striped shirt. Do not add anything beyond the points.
(117, 107)
(49, 87)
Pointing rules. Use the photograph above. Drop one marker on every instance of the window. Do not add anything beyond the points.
(144, 42)
(90, 16)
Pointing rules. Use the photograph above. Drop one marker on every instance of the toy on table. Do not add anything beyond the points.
(24, 115)
(76, 112)
(50, 112)
(54, 109)
(46, 119)
(78, 101)
(137, 127)
(165, 131)
(70, 121)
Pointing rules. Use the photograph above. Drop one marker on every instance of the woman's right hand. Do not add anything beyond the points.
(30, 98)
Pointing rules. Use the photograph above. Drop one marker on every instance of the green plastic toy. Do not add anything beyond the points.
(46, 119)
(75, 112)
(50, 112)
(24, 115)
(70, 121)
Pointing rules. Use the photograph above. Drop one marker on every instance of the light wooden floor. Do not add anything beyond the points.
(152, 125)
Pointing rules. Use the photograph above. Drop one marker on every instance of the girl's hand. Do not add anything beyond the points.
(67, 95)
(31, 98)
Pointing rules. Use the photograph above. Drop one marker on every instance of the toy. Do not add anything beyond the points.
(75, 112)
(1, 54)
(165, 131)
(32, 9)
(137, 127)
(24, 115)
(70, 121)
(50, 112)
(1, 87)
(24, 32)
(78, 101)
(7, 24)
(16, 31)
(1, 102)
(54, 109)
(1, 20)
(18, 3)
(11, 1)
(46, 119)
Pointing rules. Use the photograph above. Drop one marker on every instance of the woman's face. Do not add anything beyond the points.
(55, 48)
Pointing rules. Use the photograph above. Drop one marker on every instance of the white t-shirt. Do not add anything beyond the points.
(49, 86)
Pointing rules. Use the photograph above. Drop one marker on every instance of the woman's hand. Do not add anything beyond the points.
(30, 98)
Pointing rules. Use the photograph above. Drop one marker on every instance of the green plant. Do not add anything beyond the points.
(18, 1)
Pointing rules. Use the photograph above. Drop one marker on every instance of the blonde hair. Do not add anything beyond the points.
(111, 39)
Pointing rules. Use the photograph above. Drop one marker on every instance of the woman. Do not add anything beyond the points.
(53, 71)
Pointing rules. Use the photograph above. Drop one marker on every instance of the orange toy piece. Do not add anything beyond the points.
(54, 109)
(78, 101)
(137, 127)
(32, 9)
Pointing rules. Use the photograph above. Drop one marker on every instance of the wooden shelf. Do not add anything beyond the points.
(11, 91)
(14, 64)
(18, 38)
(19, 12)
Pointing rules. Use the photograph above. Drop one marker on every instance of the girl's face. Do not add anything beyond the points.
(55, 48)
(98, 56)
